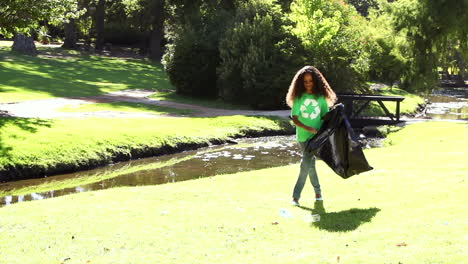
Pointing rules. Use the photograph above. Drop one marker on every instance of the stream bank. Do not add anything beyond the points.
(13, 173)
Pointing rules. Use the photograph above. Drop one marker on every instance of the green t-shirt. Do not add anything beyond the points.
(309, 108)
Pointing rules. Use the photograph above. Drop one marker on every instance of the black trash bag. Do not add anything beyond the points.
(337, 145)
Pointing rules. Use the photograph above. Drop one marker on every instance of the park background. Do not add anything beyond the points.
(216, 71)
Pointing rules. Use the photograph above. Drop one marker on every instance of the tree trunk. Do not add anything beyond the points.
(157, 33)
(24, 44)
(70, 35)
(228, 4)
(100, 15)
(460, 81)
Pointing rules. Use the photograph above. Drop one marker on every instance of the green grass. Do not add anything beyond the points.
(61, 73)
(407, 106)
(127, 108)
(213, 103)
(46, 144)
(415, 196)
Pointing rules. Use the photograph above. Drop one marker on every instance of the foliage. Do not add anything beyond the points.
(257, 56)
(192, 56)
(43, 35)
(20, 16)
(363, 6)
(331, 33)
(122, 33)
(387, 49)
(434, 29)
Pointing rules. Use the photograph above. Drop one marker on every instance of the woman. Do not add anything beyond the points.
(310, 97)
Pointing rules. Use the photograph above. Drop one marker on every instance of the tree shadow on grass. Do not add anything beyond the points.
(344, 221)
(82, 75)
(27, 124)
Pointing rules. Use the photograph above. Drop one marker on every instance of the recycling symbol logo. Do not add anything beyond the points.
(310, 109)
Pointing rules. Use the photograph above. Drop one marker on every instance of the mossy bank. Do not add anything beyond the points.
(33, 148)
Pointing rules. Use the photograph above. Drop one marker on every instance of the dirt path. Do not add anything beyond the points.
(47, 108)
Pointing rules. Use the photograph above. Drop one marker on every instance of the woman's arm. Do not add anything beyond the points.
(300, 124)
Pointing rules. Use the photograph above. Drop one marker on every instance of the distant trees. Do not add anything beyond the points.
(435, 30)
(246, 51)
(20, 17)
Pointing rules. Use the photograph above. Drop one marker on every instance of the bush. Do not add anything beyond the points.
(257, 56)
(331, 33)
(122, 34)
(192, 56)
(387, 49)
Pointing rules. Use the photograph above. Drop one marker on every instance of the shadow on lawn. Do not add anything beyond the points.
(83, 75)
(27, 124)
(343, 221)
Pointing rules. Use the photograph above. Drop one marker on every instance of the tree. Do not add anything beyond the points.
(258, 56)
(99, 24)
(149, 16)
(431, 27)
(362, 6)
(330, 31)
(20, 17)
(194, 29)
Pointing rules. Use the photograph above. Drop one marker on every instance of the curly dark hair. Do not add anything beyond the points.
(321, 86)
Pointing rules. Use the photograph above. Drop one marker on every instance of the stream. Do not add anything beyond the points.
(248, 154)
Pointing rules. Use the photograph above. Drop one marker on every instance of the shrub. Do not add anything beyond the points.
(192, 55)
(257, 56)
(331, 33)
(122, 34)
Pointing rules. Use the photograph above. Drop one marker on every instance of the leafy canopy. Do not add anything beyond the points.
(23, 15)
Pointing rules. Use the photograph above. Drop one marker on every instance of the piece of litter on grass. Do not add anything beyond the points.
(285, 213)
(274, 223)
(240, 209)
(402, 244)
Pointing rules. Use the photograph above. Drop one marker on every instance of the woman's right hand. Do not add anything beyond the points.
(311, 130)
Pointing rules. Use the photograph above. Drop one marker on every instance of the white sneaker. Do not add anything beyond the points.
(318, 197)
(295, 202)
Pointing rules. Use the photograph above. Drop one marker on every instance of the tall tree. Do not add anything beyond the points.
(71, 35)
(71, 28)
(432, 26)
(20, 17)
(149, 16)
(157, 30)
(99, 24)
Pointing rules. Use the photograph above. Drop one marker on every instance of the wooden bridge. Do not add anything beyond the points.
(353, 111)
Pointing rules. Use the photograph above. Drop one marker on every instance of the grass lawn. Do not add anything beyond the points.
(44, 144)
(213, 103)
(58, 72)
(410, 209)
(126, 107)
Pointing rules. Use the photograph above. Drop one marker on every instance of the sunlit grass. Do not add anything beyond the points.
(213, 103)
(68, 73)
(409, 209)
(125, 107)
(41, 144)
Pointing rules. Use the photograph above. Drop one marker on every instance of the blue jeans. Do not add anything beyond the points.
(307, 168)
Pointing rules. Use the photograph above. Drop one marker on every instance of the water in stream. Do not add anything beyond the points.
(448, 103)
(248, 154)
